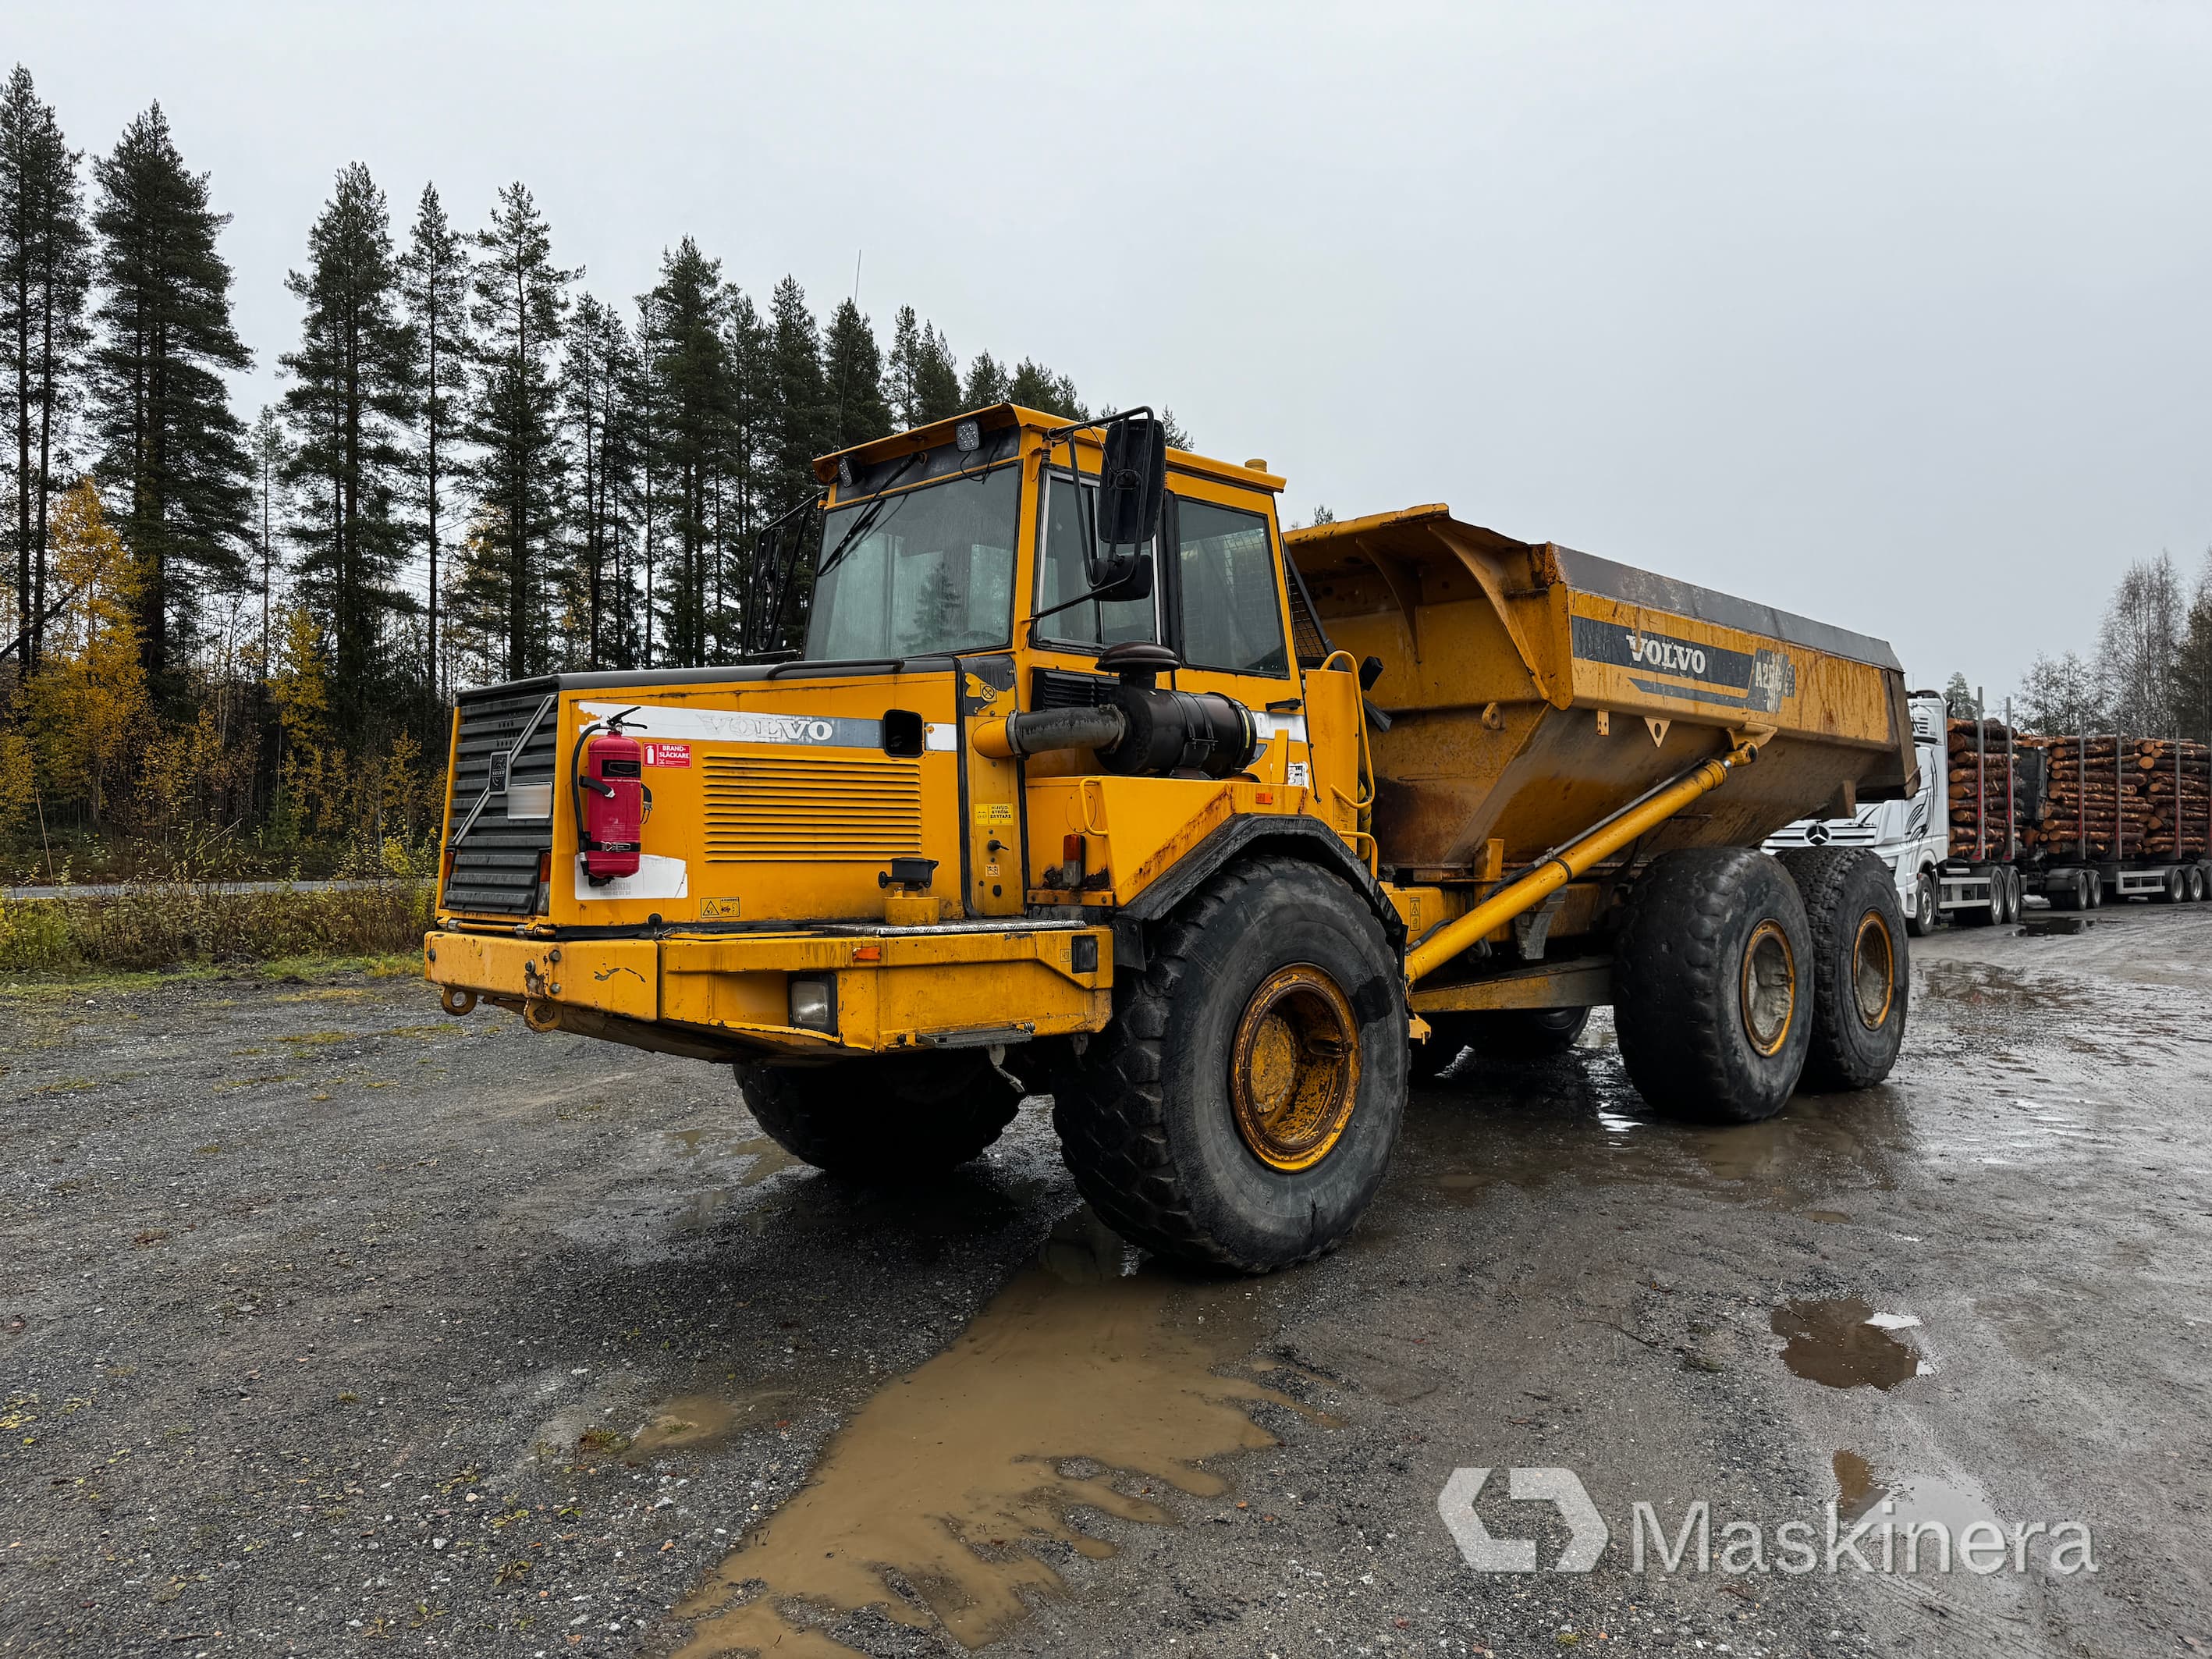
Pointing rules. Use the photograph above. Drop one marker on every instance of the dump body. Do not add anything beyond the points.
(1532, 690)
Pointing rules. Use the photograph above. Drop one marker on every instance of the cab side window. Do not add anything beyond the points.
(1232, 616)
(1060, 578)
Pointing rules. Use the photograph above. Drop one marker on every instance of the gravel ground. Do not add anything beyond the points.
(327, 1321)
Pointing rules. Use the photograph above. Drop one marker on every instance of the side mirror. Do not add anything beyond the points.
(1132, 481)
(1126, 574)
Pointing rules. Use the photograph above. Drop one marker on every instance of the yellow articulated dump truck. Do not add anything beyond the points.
(1055, 765)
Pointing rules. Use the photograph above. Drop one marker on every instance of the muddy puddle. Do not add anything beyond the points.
(1906, 1505)
(1843, 1343)
(1086, 1384)
(1577, 1119)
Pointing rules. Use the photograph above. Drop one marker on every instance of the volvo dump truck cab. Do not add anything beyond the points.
(1055, 765)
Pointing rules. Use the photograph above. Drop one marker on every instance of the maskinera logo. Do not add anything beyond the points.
(1878, 1541)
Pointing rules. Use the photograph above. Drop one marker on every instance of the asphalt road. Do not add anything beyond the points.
(327, 1321)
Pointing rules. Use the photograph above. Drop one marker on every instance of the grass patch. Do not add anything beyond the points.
(173, 926)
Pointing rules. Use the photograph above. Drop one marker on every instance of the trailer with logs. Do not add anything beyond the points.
(2080, 818)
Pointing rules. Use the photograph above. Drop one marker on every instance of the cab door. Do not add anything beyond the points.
(1220, 577)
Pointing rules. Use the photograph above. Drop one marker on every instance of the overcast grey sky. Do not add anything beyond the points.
(1894, 315)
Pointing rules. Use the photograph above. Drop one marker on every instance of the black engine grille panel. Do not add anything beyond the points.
(495, 865)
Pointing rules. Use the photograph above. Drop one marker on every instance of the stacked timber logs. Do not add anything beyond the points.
(1983, 769)
(2112, 797)
(2171, 774)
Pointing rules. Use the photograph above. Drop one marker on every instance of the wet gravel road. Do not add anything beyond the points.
(326, 1322)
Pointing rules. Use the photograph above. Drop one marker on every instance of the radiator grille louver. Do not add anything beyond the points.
(764, 806)
(495, 866)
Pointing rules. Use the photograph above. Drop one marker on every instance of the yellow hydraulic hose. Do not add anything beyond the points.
(1556, 871)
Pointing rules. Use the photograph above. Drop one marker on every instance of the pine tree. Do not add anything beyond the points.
(521, 305)
(688, 370)
(936, 378)
(353, 391)
(434, 277)
(801, 417)
(598, 380)
(902, 368)
(750, 344)
(45, 270)
(855, 366)
(987, 383)
(269, 453)
(171, 445)
(1034, 386)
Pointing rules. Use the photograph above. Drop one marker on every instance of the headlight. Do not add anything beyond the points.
(814, 1003)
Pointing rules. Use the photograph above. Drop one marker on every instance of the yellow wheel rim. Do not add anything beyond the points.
(1294, 1069)
(1873, 970)
(1769, 988)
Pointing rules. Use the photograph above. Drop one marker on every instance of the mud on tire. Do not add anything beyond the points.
(1496, 1034)
(1713, 993)
(1861, 979)
(883, 1117)
(1148, 1118)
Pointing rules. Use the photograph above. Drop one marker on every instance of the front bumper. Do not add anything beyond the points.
(959, 985)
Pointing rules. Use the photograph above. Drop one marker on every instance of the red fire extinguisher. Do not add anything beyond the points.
(609, 772)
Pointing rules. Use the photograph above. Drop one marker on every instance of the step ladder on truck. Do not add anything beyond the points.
(1054, 765)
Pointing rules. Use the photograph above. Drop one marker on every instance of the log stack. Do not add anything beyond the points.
(1979, 781)
(2111, 797)
(2175, 778)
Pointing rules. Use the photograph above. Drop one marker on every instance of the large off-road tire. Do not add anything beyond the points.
(1861, 975)
(1496, 1034)
(1239, 1110)
(1713, 985)
(884, 1117)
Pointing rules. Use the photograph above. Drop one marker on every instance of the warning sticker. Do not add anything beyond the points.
(994, 812)
(668, 754)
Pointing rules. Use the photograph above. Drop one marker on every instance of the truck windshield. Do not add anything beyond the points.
(931, 570)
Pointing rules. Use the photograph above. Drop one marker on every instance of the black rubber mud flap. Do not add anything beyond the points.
(1861, 971)
(1713, 985)
(1146, 1115)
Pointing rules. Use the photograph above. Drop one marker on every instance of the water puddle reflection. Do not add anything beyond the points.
(1845, 1343)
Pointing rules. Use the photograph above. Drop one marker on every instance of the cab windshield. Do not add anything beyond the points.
(926, 570)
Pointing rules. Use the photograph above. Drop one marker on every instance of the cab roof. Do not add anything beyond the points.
(996, 416)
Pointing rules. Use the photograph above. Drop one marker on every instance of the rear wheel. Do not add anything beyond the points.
(1497, 1034)
(1861, 982)
(2173, 889)
(1713, 996)
(883, 1117)
(1922, 921)
(2195, 883)
(2092, 886)
(1240, 1108)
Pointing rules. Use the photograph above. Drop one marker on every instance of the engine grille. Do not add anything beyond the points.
(777, 806)
(496, 865)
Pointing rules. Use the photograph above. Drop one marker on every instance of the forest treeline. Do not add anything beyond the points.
(2148, 675)
(230, 641)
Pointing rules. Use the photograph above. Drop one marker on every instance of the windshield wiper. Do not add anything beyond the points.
(867, 520)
